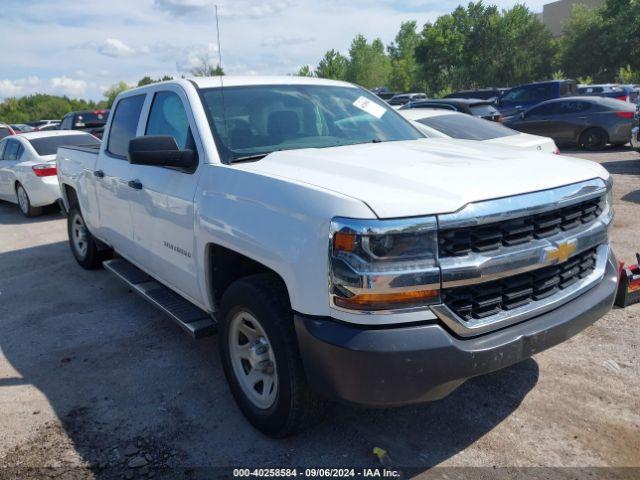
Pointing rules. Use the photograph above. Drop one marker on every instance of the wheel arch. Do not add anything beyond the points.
(223, 266)
(69, 196)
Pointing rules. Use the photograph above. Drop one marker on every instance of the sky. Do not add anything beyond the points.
(81, 47)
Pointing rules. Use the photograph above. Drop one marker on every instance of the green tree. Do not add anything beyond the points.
(113, 91)
(402, 53)
(305, 71)
(333, 65)
(600, 41)
(369, 66)
(481, 46)
(40, 106)
(146, 80)
(206, 68)
(626, 75)
(580, 52)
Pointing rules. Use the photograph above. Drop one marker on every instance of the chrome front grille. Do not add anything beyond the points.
(506, 260)
(516, 231)
(490, 298)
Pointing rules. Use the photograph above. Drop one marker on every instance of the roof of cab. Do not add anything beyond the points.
(236, 81)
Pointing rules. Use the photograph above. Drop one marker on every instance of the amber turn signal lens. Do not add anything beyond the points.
(381, 301)
(345, 242)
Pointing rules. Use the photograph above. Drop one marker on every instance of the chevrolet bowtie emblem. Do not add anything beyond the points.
(562, 252)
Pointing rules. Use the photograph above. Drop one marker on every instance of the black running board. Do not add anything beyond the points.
(195, 321)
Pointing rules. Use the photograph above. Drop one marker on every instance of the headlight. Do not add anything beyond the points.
(383, 264)
(607, 207)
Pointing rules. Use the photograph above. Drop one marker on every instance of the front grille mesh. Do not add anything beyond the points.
(484, 238)
(490, 298)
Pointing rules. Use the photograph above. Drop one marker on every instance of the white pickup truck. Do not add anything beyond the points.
(337, 252)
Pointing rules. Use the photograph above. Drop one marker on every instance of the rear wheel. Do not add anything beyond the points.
(25, 204)
(261, 360)
(84, 246)
(593, 139)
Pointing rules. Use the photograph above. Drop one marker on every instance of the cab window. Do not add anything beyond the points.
(124, 125)
(168, 117)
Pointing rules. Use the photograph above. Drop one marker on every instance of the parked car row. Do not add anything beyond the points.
(28, 167)
(588, 116)
(91, 121)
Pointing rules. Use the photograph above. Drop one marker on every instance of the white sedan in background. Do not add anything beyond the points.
(449, 124)
(28, 173)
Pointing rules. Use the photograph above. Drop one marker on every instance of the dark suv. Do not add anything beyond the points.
(90, 121)
(523, 97)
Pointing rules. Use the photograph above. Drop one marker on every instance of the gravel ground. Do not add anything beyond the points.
(95, 383)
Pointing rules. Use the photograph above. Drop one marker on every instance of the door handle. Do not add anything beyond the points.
(98, 174)
(135, 184)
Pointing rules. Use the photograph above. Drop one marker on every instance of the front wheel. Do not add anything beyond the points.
(83, 245)
(261, 360)
(24, 203)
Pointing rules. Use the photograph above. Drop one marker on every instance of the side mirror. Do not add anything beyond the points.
(159, 151)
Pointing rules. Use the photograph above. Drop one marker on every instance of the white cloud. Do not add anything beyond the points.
(229, 8)
(102, 43)
(193, 56)
(280, 41)
(9, 88)
(18, 87)
(68, 86)
(112, 47)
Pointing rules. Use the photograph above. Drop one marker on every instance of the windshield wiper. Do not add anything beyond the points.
(248, 158)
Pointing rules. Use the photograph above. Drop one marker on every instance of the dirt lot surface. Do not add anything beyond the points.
(95, 383)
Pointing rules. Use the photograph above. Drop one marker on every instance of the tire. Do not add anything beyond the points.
(24, 203)
(261, 301)
(84, 246)
(593, 139)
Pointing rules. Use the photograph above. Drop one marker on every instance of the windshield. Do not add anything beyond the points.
(253, 121)
(49, 145)
(467, 127)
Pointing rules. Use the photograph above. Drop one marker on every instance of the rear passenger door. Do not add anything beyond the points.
(163, 208)
(112, 177)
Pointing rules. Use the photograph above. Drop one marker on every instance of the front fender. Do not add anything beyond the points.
(281, 224)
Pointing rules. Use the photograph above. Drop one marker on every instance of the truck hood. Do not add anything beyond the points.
(422, 177)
